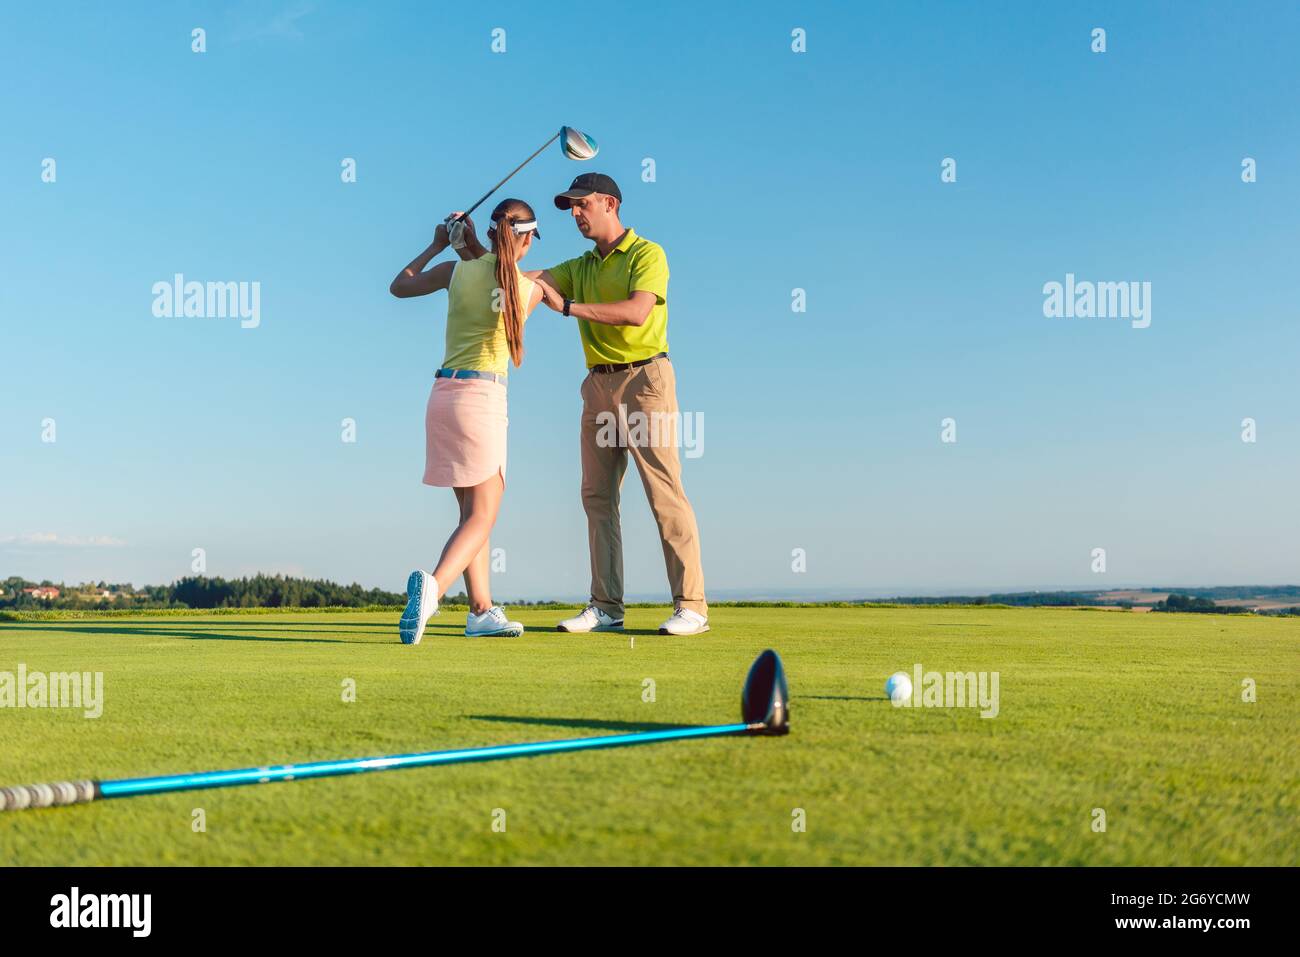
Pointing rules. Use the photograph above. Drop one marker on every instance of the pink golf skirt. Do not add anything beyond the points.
(465, 432)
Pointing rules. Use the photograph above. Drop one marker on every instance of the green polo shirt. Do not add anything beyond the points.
(633, 265)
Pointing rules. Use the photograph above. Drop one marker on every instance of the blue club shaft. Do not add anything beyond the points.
(84, 791)
(128, 787)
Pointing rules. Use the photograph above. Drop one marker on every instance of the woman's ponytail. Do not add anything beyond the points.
(505, 244)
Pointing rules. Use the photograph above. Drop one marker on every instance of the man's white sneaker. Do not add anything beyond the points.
(685, 622)
(421, 602)
(492, 624)
(591, 619)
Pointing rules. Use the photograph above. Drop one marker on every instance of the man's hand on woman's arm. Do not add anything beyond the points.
(633, 311)
(550, 296)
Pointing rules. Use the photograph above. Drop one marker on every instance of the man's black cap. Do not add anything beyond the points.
(585, 185)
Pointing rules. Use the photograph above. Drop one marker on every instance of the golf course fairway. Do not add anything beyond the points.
(1139, 717)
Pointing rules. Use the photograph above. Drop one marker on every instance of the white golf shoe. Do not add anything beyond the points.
(591, 619)
(685, 622)
(421, 603)
(492, 624)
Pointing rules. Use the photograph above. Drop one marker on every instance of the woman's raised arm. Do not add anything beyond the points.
(414, 280)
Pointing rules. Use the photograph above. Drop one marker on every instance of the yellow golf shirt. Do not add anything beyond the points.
(476, 334)
(635, 264)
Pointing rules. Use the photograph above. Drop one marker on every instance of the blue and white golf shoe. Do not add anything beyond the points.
(422, 602)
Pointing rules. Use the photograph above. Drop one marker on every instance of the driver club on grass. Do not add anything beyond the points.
(764, 710)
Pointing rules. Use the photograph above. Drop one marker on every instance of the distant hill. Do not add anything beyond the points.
(1261, 599)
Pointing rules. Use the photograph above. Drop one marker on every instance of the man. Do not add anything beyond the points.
(617, 292)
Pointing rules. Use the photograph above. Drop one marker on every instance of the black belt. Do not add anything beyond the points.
(623, 366)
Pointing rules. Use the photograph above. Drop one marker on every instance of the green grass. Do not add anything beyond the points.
(1138, 714)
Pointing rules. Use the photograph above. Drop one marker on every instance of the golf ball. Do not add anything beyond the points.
(899, 687)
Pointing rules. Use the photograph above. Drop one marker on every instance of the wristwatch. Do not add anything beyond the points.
(567, 304)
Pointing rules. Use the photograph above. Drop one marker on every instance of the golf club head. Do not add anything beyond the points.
(766, 698)
(577, 145)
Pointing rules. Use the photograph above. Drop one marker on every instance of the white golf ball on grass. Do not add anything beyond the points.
(899, 688)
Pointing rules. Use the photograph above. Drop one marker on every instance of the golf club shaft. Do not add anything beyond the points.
(82, 792)
(508, 175)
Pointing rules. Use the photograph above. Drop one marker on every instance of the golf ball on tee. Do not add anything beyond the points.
(899, 687)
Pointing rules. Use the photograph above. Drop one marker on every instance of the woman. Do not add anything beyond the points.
(488, 300)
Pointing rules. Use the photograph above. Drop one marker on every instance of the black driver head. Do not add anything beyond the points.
(766, 698)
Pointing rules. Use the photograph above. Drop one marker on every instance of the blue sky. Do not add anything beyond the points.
(775, 170)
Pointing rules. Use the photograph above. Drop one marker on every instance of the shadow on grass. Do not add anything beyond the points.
(314, 626)
(73, 628)
(374, 629)
(581, 723)
(552, 630)
(837, 697)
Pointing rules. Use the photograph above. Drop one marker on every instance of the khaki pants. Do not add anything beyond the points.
(618, 410)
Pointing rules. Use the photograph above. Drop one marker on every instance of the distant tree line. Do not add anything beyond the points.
(1188, 603)
(275, 591)
(279, 591)
(1023, 599)
(259, 591)
(1203, 602)
(1275, 592)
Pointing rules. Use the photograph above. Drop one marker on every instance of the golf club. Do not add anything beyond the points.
(574, 144)
(765, 709)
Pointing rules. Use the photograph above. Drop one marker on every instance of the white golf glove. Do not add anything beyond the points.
(456, 232)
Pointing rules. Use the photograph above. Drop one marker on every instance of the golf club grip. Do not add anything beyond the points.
(48, 795)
